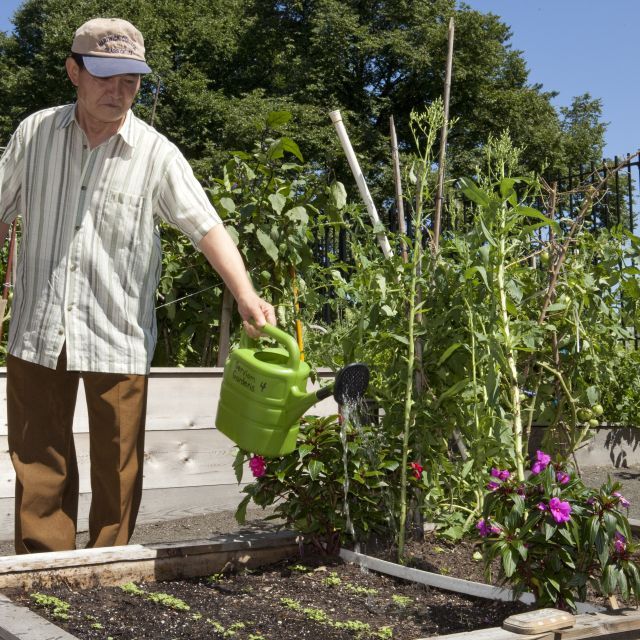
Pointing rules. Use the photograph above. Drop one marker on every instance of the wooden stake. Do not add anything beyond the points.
(397, 179)
(443, 141)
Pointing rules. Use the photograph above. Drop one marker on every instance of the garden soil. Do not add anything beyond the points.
(306, 597)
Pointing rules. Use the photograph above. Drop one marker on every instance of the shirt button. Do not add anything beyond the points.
(60, 332)
(83, 187)
(78, 228)
(73, 267)
(70, 307)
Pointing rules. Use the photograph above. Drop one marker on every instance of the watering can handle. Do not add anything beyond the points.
(287, 341)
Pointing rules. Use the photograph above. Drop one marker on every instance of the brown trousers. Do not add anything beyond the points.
(40, 408)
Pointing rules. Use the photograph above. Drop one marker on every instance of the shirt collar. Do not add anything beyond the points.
(126, 131)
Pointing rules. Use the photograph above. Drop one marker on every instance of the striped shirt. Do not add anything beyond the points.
(90, 256)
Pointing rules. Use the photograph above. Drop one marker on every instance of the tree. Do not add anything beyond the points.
(223, 65)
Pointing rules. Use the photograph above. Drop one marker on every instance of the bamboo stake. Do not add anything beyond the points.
(443, 141)
(383, 241)
(296, 306)
(224, 338)
(397, 179)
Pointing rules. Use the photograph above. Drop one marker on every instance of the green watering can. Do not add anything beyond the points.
(263, 393)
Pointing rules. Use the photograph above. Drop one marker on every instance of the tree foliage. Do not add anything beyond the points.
(221, 66)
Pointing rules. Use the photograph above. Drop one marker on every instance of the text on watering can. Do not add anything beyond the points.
(246, 379)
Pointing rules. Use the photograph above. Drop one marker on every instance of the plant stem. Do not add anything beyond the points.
(408, 391)
(511, 362)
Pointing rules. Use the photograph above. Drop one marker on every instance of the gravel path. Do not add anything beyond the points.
(224, 522)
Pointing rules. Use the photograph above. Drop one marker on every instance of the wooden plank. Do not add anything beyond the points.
(603, 625)
(467, 587)
(493, 633)
(172, 459)
(116, 565)
(179, 398)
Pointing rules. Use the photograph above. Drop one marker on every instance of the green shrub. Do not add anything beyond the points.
(555, 537)
(307, 486)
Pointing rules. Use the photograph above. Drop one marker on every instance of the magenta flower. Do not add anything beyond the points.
(622, 500)
(542, 506)
(417, 470)
(485, 528)
(501, 474)
(258, 466)
(541, 463)
(620, 543)
(493, 486)
(562, 477)
(560, 510)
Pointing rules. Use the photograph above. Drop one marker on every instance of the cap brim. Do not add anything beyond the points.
(103, 67)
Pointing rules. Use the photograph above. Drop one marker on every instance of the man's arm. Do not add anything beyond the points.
(224, 257)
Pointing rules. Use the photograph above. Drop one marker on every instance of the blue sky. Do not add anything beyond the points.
(571, 46)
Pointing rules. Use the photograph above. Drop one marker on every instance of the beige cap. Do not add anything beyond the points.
(110, 47)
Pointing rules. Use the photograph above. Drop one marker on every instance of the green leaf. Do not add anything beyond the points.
(276, 119)
(487, 233)
(609, 580)
(241, 511)
(530, 212)
(453, 390)
(289, 145)
(316, 467)
(339, 194)
(474, 193)
(468, 274)
(445, 356)
(299, 214)
(508, 561)
(277, 201)
(238, 465)
(228, 204)
(267, 244)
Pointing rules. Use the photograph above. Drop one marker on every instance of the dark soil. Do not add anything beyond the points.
(301, 598)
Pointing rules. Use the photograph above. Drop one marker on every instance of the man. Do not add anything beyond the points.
(91, 183)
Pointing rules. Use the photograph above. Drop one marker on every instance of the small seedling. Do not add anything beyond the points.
(59, 608)
(361, 591)
(132, 589)
(401, 601)
(332, 580)
(169, 601)
(317, 615)
(215, 578)
(299, 567)
(291, 604)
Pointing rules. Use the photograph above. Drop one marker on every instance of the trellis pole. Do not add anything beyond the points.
(383, 241)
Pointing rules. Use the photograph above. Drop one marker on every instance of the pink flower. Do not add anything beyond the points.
(542, 506)
(560, 510)
(417, 470)
(501, 474)
(620, 543)
(493, 486)
(562, 477)
(485, 528)
(622, 500)
(258, 466)
(541, 463)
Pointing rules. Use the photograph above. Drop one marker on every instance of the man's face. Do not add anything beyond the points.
(103, 100)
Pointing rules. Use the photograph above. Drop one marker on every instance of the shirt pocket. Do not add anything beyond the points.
(126, 231)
